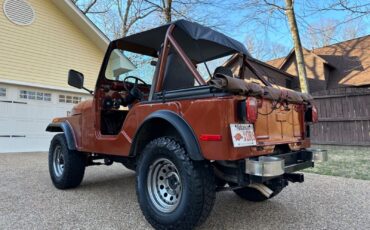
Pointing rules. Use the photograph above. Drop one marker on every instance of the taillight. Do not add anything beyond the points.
(315, 114)
(252, 109)
(311, 114)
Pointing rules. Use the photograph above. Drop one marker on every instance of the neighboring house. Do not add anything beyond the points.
(272, 74)
(339, 80)
(344, 64)
(40, 40)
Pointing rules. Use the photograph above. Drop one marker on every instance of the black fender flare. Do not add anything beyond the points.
(182, 128)
(65, 128)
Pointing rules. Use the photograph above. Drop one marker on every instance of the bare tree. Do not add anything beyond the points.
(355, 7)
(270, 13)
(353, 29)
(132, 13)
(118, 18)
(167, 10)
(327, 31)
(202, 11)
(289, 10)
(265, 50)
(86, 6)
(321, 33)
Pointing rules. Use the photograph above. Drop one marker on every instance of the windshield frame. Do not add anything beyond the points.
(158, 76)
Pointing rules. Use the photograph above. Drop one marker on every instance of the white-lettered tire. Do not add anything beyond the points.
(66, 167)
(173, 191)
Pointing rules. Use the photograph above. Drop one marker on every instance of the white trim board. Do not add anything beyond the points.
(41, 86)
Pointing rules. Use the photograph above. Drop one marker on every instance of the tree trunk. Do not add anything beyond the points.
(297, 46)
(167, 11)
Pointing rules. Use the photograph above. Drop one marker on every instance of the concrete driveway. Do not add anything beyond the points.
(106, 199)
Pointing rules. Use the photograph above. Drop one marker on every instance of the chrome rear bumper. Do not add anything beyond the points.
(276, 165)
(265, 166)
(319, 155)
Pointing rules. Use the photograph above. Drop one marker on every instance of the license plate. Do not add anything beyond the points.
(242, 135)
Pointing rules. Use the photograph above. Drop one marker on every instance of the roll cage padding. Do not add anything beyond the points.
(177, 124)
(65, 128)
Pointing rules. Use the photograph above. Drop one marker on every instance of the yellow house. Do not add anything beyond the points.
(40, 40)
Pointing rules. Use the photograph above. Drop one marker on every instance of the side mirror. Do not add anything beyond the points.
(75, 79)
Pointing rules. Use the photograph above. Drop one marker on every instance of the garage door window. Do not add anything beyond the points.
(33, 95)
(2, 92)
(69, 99)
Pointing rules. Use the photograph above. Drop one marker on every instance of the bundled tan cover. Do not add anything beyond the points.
(241, 87)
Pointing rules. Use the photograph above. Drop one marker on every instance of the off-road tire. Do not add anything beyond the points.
(74, 164)
(252, 194)
(198, 186)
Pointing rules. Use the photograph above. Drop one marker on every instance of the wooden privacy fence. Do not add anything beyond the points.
(344, 117)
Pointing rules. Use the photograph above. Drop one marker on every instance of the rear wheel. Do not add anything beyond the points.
(66, 167)
(174, 192)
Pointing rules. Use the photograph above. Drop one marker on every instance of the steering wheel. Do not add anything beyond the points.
(137, 80)
(134, 92)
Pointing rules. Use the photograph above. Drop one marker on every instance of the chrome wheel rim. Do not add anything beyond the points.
(164, 185)
(58, 161)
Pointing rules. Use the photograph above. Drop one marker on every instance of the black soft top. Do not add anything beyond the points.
(200, 43)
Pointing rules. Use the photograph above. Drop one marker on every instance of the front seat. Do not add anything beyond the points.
(177, 75)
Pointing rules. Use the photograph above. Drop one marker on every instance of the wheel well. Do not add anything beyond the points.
(66, 129)
(174, 127)
(156, 128)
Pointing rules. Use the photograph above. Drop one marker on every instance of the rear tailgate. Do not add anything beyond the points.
(279, 123)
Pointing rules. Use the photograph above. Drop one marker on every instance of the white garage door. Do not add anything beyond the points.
(25, 113)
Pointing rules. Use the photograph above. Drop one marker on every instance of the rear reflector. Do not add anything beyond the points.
(210, 137)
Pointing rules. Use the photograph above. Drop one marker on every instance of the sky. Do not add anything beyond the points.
(240, 27)
(245, 22)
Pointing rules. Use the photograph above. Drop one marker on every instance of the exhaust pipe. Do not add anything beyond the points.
(266, 191)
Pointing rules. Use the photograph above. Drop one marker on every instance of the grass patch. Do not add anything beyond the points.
(350, 162)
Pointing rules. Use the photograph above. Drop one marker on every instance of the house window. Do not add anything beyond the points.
(2, 92)
(40, 96)
(62, 98)
(47, 96)
(76, 100)
(34, 95)
(69, 99)
(31, 95)
(23, 94)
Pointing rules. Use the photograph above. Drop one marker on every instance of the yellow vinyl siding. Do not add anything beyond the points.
(44, 51)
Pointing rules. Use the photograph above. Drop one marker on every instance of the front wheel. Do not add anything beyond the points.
(174, 192)
(66, 167)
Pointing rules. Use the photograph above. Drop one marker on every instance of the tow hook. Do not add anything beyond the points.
(294, 177)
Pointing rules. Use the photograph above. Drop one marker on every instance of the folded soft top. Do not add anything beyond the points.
(242, 87)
